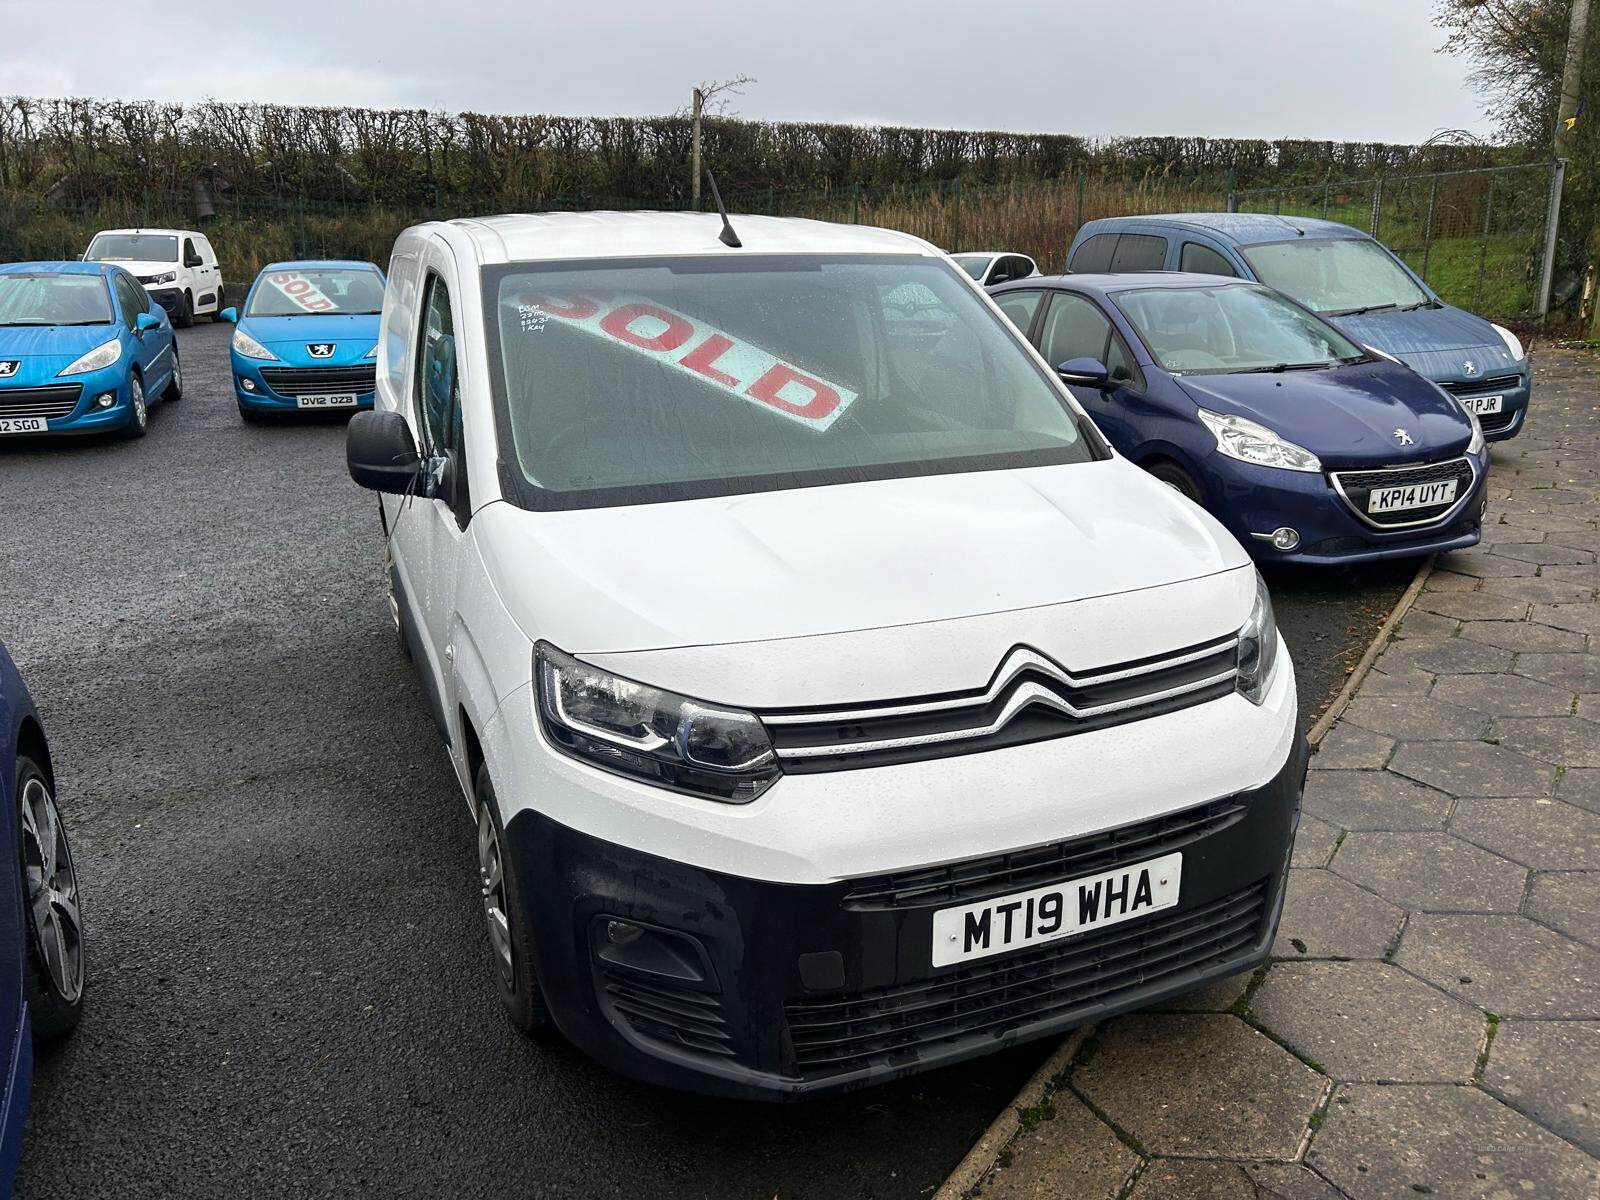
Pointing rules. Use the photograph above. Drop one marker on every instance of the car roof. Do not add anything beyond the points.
(1137, 281)
(320, 264)
(149, 229)
(533, 237)
(58, 268)
(1245, 229)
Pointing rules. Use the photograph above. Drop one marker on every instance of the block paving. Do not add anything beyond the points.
(1429, 1023)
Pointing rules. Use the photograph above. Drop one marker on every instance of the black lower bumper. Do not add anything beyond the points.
(170, 299)
(742, 988)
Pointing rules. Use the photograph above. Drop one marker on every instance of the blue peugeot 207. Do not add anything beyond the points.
(41, 932)
(307, 338)
(83, 349)
(1308, 447)
(1353, 280)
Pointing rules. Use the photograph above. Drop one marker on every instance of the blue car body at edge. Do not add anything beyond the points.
(1463, 353)
(47, 325)
(318, 320)
(1346, 415)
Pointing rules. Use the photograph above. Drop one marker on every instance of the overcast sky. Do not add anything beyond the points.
(1363, 70)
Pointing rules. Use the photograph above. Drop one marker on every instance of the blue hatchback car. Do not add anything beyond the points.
(1352, 280)
(1307, 447)
(41, 931)
(307, 338)
(83, 349)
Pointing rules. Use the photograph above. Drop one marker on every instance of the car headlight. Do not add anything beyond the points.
(168, 277)
(1258, 647)
(1252, 443)
(649, 734)
(1477, 445)
(1512, 341)
(247, 346)
(98, 359)
(373, 353)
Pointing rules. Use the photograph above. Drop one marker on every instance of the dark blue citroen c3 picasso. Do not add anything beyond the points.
(1309, 448)
(1352, 280)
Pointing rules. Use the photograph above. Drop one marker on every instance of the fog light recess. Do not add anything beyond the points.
(247, 384)
(105, 400)
(1284, 538)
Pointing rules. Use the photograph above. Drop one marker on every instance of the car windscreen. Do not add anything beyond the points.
(973, 264)
(133, 247)
(48, 299)
(1231, 328)
(1335, 276)
(312, 291)
(667, 378)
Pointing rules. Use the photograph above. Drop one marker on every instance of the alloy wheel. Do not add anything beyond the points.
(141, 411)
(52, 886)
(492, 884)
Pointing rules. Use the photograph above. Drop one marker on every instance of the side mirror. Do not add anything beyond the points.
(194, 260)
(1085, 372)
(381, 453)
(146, 320)
(230, 315)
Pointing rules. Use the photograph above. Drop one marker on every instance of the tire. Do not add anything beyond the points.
(1176, 478)
(184, 317)
(52, 960)
(222, 303)
(510, 947)
(139, 416)
(174, 388)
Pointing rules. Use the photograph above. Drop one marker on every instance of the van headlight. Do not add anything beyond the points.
(650, 734)
(1512, 341)
(1258, 647)
(98, 359)
(247, 347)
(164, 277)
(1253, 443)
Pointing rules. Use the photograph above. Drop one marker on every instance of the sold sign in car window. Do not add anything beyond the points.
(698, 349)
(301, 292)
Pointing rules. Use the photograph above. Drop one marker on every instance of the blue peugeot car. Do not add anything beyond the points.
(307, 338)
(1308, 447)
(83, 349)
(41, 930)
(1351, 279)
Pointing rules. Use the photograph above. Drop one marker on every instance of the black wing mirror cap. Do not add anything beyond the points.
(381, 453)
(1085, 372)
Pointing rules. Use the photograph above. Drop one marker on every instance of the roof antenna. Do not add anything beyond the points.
(727, 237)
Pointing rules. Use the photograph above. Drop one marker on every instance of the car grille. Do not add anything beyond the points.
(1494, 421)
(987, 1000)
(1355, 486)
(665, 1013)
(1476, 387)
(56, 400)
(997, 874)
(1029, 699)
(306, 381)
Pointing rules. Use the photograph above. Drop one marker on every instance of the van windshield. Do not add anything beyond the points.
(1335, 276)
(133, 247)
(624, 382)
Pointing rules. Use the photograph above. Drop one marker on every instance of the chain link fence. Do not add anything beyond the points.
(1480, 238)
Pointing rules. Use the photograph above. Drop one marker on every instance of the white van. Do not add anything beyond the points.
(177, 267)
(831, 700)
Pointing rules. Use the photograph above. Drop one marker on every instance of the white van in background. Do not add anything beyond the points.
(177, 267)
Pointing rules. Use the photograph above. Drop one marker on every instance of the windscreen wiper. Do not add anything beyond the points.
(1429, 303)
(1278, 368)
(1360, 312)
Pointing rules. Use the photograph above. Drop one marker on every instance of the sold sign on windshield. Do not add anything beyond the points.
(703, 351)
(302, 291)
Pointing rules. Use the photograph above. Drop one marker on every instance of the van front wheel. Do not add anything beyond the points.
(510, 946)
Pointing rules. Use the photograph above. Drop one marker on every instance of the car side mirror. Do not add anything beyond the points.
(194, 260)
(381, 453)
(145, 321)
(1085, 372)
(230, 315)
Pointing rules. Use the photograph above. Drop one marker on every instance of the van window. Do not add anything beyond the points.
(1203, 260)
(1139, 252)
(1095, 254)
(437, 386)
(399, 320)
(207, 254)
(661, 379)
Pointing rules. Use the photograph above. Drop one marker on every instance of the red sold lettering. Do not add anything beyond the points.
(619, 324)
(702, 360)
(823, 398)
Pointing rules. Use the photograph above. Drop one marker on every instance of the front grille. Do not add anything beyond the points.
(1356, 486)
(665, 1013)
(1475, 387)
(993, 998)
(1030, 698)
(306, 381)
(998, 874)
(56, 400)
(1494, 421)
